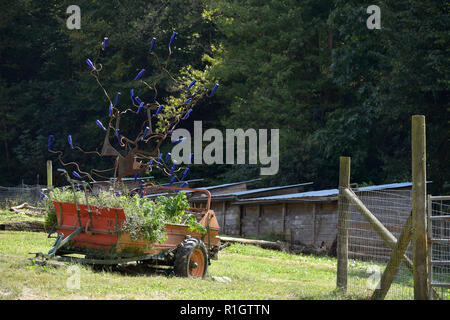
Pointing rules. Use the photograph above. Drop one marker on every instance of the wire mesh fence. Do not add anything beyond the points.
(368, 253)
(439, 254)
(17, 195)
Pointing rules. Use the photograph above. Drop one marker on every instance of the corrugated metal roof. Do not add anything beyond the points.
(387, 186)
(320, 193)
(328, 192)
(230, 184)
(207, 188)
(240, 193)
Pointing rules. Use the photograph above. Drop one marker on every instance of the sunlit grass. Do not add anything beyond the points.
(255, 273)
(7, 216)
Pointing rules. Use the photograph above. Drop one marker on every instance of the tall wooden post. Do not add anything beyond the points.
(342, 237)
(430, 249)
(419, 189)
(49, 174)
(394, 262)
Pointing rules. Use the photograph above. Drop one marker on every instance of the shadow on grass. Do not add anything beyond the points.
(134, 269)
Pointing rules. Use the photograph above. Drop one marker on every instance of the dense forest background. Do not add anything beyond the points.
(310, 68)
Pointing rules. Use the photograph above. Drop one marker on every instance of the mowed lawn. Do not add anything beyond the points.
(7, 216)
(255, 273)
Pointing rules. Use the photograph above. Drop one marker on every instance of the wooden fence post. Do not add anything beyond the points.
(49, 174)
(430, 248)
(388, 238)
(378, 227)
(419, 190)
(394, 262)
(342, 236)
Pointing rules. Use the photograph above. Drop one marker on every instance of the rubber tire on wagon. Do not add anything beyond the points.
(191, 259)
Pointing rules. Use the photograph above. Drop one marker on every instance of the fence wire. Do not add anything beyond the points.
(368, 253)
(439, 255)
(17, 195)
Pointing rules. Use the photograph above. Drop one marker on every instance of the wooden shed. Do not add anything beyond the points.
(293, 214)
(308, 218)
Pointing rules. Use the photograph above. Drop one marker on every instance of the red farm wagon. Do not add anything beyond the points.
(94, 232)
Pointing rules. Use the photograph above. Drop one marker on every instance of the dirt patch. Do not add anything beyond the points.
(5, 294)
(27, 294)
(34, 226)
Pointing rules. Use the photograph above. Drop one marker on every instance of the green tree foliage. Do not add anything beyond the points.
(390, 75)
(334, 87)
(273, 66)
(46, 87)
(311, 68)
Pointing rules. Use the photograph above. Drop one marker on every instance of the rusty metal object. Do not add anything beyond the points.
(205, 191)
(130, 159)
(98, 236)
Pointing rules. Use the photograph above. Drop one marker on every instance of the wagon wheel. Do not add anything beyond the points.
(191, 259)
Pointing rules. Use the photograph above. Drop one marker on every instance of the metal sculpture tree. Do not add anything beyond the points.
(143, 152)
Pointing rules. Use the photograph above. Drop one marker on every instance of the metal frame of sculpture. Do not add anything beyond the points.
(132, 159)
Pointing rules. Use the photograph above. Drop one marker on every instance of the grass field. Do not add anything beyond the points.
(8, 216)
(256, 274)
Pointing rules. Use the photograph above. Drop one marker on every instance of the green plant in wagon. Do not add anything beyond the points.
(144, 218)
